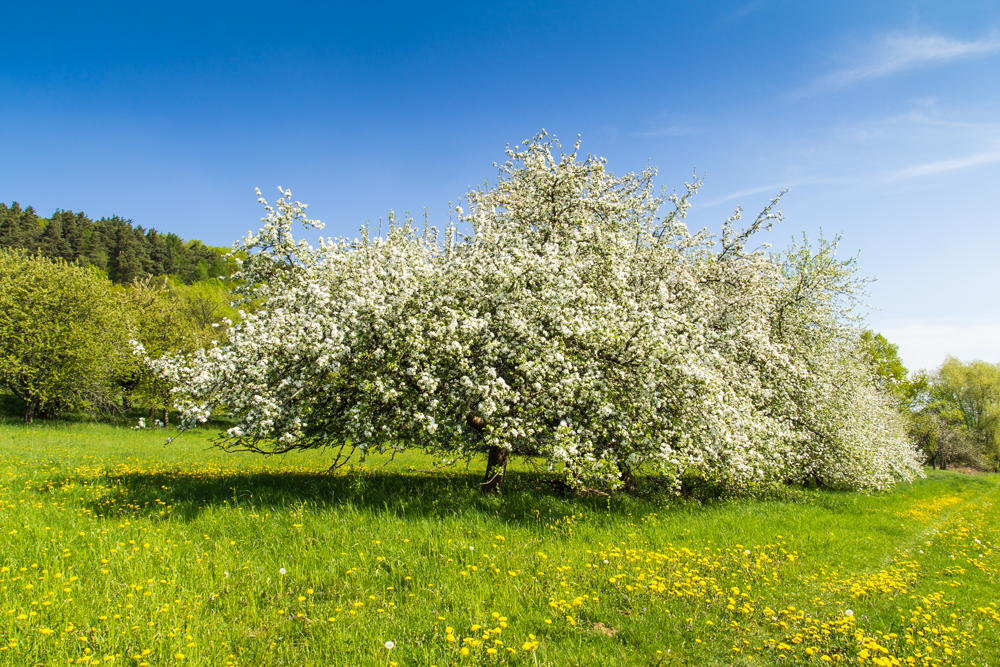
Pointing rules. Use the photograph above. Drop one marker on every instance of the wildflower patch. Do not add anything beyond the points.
(119, 551)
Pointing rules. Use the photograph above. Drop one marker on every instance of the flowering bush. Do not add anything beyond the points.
(573, 321)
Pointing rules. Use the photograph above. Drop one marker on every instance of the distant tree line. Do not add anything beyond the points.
(952, 412)
(123, 251)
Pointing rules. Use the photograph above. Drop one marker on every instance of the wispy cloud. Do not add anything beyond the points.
(864, 156)
(939, 166)
(897, 52)
(772, 189)
(748, 9)
(669, 131)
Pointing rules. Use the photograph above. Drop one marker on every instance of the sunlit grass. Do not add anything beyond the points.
(119, 549)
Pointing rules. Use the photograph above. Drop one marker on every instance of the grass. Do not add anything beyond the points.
(118, 549)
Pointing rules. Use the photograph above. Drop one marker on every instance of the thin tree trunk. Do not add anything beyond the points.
(29, 410)
(126, 401)
(627, 478)
(166, 409)
(496, 470)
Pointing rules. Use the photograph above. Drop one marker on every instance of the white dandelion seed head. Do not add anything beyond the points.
(390, 645)
(281, 571)
(848, 612)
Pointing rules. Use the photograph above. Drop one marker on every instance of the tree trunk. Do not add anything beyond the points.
(496, 470)
(627, 478)
(166, 408)
(30, 406)
(126, 401)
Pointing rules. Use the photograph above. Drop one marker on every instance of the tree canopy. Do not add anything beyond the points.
(61, 333)
(573, 321)
(971, 393)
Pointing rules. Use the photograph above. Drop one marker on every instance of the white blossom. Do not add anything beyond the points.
(574, 322)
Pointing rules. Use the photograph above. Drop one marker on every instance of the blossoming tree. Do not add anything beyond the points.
(573, 322)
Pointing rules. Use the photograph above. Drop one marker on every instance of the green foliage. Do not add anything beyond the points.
(968, 395)
(883, 360)
(940, 434)
(18, 227)
(168, 317)
(172, 315)
(954, 413)
(930, 404)
(113, 245)
(890, 375)
(155, 321)
(61, 334)
(206, 306)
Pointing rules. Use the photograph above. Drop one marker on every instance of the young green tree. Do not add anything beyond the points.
(883, 359)
(61, 331)
(972, 391)
(888, 373)
(207, 305)
(942, 437)
(168, 317)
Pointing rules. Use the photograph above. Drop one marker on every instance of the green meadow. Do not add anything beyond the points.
(119, 549)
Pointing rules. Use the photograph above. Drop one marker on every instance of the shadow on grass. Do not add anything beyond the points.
(528, 496)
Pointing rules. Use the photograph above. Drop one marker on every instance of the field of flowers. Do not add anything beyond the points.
(116, 549)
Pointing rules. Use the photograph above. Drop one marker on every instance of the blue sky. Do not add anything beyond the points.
(882, 118)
